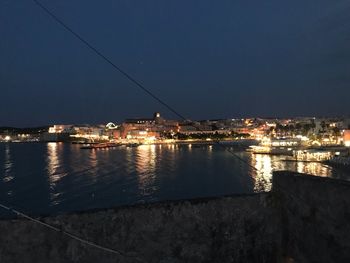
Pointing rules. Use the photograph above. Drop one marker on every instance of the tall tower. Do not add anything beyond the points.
(157, 118)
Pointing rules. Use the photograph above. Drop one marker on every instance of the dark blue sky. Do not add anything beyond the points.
(208, 59)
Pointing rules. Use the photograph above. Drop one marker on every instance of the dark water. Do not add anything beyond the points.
(56, 177)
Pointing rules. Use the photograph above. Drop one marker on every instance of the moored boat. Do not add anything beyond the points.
(100, 145)
(133, 144)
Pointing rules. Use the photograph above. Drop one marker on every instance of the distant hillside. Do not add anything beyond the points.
(31, 130)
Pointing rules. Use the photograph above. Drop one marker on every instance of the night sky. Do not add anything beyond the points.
(208, 59)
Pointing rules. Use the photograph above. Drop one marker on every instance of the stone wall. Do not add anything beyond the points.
(227, 229)
(315, 214)
(304, 219)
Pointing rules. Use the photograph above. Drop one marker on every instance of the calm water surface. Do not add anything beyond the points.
(56, 177)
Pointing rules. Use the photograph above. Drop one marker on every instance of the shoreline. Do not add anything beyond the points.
(195, 141)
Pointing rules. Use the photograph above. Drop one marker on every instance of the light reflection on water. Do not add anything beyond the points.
(54, 168)
(7, 166)
(93, 159)
(267, 164)
(145, 164)
(68, 178)
(262, 178)
(52, 162)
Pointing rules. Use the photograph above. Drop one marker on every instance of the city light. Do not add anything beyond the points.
(346, 138)
(270, 133)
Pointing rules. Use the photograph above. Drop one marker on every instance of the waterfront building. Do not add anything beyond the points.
(90, 133)
(57, 133)
(54, 137)
(61, 129)
(312, 155)
(142, 135)
(151, 127)
(346, 138)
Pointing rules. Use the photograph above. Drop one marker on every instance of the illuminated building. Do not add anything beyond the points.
(57, 133)
(142, 135)
(282, 146)
(146, 127)
(312, 155)
(92, 133)
(346, 138)
(60, 129)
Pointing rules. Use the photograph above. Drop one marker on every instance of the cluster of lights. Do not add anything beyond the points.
(347, 138)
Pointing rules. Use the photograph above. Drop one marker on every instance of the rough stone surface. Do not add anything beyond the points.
(304, 219)
(227, 229)
(315, 215)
